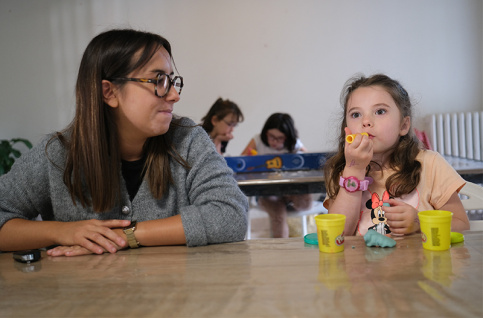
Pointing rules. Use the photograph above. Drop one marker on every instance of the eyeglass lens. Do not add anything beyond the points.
(164, 84)
(230, 124)
(276, 139)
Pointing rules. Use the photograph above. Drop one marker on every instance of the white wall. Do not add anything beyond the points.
(266, 55)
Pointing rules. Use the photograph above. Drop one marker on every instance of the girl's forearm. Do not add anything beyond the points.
(349, 205)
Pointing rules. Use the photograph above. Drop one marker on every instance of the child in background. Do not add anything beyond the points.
(382, 180)
(220, 121)
(279, 136)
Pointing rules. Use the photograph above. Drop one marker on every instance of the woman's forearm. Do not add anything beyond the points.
(168, 231)
(20, 234)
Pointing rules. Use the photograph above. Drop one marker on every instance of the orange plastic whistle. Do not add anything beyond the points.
(350, 138)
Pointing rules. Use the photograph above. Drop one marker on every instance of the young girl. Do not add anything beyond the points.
(383, 179)
(279, 136)
(126, 172)
(220, 121)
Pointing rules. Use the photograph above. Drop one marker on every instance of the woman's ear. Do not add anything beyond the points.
(108, 94)
(406, 124)
(214, 120)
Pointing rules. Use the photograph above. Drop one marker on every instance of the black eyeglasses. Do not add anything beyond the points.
(162, 83)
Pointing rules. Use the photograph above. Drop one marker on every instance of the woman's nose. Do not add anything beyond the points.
(172, 95)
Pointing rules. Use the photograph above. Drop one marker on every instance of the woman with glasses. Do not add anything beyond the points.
(126, 172)
(279, 136)
(220, 121)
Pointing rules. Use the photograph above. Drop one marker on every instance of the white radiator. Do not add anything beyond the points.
(457, 134)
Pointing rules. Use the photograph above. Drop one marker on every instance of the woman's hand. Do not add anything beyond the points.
(358, 154)
(91, 236)
(402, 218)
(75, 250)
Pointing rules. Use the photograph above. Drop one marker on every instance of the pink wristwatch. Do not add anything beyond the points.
(352, 184)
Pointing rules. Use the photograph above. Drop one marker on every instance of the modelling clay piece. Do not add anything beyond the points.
(350, 138)
(457, 237)
(373, 238)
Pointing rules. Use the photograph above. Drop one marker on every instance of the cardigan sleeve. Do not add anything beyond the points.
(216, 208)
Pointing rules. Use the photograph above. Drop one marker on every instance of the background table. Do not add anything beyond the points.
(281, 182)
(470, 170)
(257, 278)
(312, 181)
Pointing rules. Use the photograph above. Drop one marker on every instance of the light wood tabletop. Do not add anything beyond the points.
(256, 278)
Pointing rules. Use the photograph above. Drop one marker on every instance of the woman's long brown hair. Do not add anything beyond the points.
(93, 160)
(403, 158)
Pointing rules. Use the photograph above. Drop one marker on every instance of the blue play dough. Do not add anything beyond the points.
(373, 238)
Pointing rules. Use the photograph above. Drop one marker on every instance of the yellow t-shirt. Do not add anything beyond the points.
(438, 182)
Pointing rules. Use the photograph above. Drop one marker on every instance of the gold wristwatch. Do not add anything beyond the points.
(129, 231)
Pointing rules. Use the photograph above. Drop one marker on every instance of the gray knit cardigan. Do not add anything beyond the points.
(212, 207)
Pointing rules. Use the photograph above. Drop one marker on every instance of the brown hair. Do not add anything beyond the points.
(403, 158)
(93, 160)
(220, 109)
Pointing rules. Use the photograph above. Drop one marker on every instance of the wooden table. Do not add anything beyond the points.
(257, 278)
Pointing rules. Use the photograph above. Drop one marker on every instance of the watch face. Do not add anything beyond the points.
(351, 184)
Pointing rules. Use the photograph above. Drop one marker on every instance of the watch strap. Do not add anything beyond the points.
(364, 185)
(356, 184)
(131, 238)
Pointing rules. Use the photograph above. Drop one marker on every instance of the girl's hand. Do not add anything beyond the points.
(249, 148)
(218, 139)
(358, 154)
(224, 137)
(402, 218)
(90, 236)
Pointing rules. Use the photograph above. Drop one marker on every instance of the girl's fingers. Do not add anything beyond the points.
(347, 131)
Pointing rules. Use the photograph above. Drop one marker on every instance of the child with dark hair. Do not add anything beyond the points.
(279, 136)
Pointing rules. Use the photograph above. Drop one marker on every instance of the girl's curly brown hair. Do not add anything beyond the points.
(403, 158)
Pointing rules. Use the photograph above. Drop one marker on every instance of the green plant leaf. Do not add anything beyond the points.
(8, 154)
(16, 153)
(24, 141)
